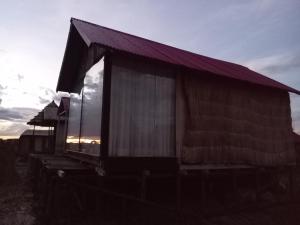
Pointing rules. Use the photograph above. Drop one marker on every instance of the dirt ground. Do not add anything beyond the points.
(16, 200)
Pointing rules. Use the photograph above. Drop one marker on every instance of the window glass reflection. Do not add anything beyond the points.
(92, 110)
(74, 122)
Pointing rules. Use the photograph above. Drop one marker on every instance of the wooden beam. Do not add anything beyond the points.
(106, 105)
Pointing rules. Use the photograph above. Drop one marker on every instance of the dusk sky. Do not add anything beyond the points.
(260, 34)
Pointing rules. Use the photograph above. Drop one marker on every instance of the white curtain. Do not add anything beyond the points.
(142, 113)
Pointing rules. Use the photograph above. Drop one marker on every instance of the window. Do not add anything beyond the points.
(84, 124)
(74, 122)
(92, 110)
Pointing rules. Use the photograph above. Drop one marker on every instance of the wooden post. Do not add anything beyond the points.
(178, 191)
(203, 189)
(123, 211)
(291, 182)
(277, 179)
(33, 140)
(145, 174)
(106, 106)
(179, 206)
(234, 184)
(257, 184)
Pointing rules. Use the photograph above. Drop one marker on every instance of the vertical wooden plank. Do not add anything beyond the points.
(106, 105)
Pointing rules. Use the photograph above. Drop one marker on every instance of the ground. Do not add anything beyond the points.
(16, 200)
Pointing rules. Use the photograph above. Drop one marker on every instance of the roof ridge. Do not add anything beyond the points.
(156, 42)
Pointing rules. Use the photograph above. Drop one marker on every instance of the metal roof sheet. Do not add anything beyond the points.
(35, 133)
(64, 105)
(95, 34)
(46, 117)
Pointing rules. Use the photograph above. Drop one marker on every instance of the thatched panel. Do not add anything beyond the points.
(231, 122)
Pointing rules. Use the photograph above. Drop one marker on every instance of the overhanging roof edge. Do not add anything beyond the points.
(82, 34)
(92, 35)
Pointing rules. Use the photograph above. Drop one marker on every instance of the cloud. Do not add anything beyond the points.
(50, 95)
(1, 92)
(276, 64)
(282, 67)
(12, 128)
(296, 125)
(17, 114)
(297, 116)
(59, 95)
(44, 101)
(20, 77)
(2, 88)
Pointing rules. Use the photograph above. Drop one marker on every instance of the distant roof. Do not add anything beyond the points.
(36, 133)
(94, 34)
(51, 105)
(47, 117)
(63, 105)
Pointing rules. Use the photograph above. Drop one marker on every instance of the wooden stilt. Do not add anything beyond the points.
(234, 185)
(257, 184)
(145, 174)
(277, 179)
(123, 211)
(178, 191)
(291, 182)
(179, 176)
(203, 189)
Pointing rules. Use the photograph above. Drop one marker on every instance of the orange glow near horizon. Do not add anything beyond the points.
(87, 140)
(9, 137)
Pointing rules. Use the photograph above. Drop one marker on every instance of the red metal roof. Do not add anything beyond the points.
(95, 34)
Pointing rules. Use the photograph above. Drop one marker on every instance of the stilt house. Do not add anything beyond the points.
(137, 104)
